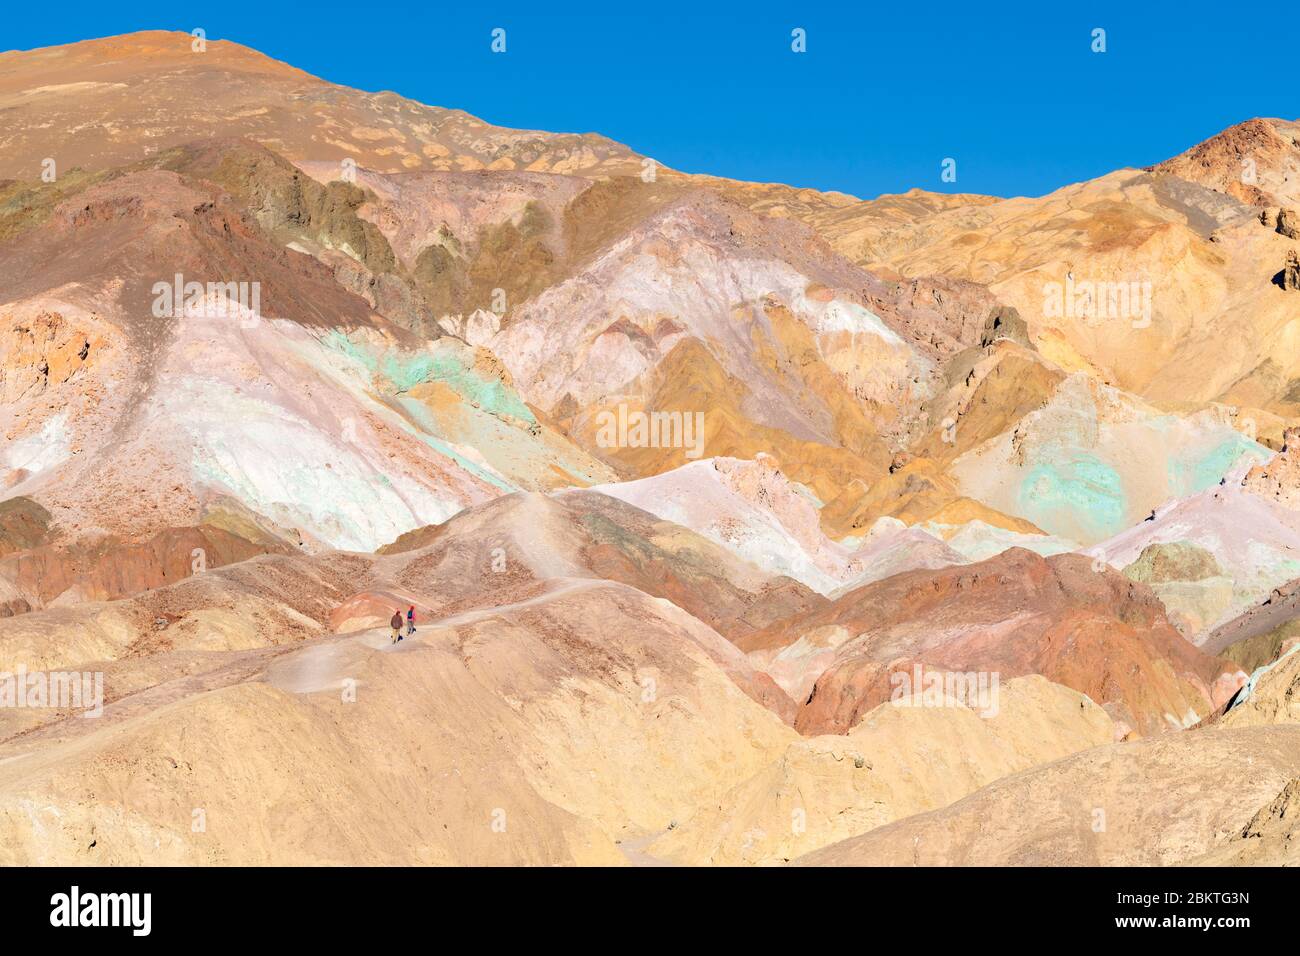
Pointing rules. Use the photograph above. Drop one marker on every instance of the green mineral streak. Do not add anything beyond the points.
(1188, 476)
(420, 415)
(339, 342)
(1085, 489)
(489, 393)
(405, 370)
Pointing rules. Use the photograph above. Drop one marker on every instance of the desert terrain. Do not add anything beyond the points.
(740, 524)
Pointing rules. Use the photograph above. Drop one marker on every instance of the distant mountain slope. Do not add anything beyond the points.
(103, 103)
(1216, 324)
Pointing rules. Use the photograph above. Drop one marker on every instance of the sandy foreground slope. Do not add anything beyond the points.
(898, 761)
(560, 706)
(518, 735)
(550, 711)
(537, 688)
(1220, 794)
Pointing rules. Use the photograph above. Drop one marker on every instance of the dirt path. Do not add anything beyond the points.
(635, 851)
(325, 663)
(318, 664)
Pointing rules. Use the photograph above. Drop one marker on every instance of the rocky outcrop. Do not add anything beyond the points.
(40, 351)
(1005, 322)
(1271, 696)
(1290, 275)
(23, 524)
(942, 315)
(1188, 580)
(1271, 838)
(1259, 634)
(1218, 162)
(1287, 223)
(285, 201)
(1277, 479)
(1163, 562)
(1263, 649)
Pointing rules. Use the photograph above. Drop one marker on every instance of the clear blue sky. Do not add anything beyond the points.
(884, 93)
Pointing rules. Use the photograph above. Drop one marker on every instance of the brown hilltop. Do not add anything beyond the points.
(130, 231)
(1255, 162)
(103, 103)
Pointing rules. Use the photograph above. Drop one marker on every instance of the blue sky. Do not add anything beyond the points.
(884, 93)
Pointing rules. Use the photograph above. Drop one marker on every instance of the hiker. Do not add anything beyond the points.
(396, 625)
(410, 620)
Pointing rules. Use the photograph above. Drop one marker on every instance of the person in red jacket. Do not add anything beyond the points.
(410, 620)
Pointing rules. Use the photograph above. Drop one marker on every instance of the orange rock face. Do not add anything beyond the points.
(111, 569)
(1015, 614)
